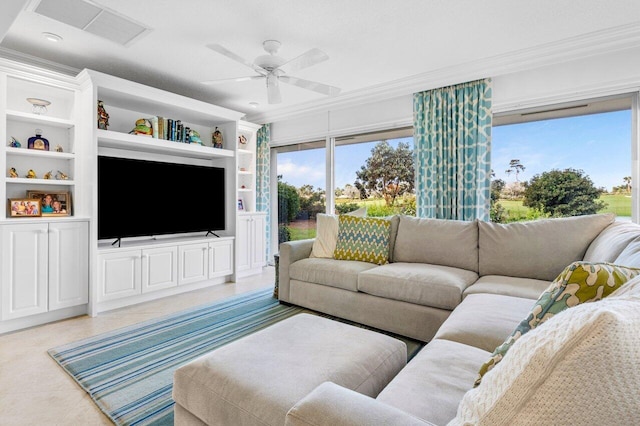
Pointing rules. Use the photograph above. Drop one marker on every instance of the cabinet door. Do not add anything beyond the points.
(24, 269)
(68, 264)
(220, 258)
(119, 275)
(159, 268)
(258, 238)
(194, 263)
(243, 243)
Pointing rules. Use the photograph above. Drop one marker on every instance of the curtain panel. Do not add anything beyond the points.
(452, 138)
(263, 175)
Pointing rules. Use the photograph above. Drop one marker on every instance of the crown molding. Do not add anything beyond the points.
(38, 64)
(570, 49)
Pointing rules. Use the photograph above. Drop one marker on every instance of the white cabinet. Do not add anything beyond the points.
(125, 273)
(44, 267)
(137, 273)
(220, 258)
(250, 243)
(119, 274)
(194, 263)
(159, 268)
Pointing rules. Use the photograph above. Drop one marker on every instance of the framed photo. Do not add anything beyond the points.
(240, 204)
(24, 207)
(52, 203)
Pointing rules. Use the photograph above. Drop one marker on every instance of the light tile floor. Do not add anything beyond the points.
(34, 390)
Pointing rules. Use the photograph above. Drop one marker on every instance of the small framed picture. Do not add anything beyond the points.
(52, 203)
(240, 204)
(24, 207)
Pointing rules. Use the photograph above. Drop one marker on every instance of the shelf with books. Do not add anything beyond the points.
(129, 142)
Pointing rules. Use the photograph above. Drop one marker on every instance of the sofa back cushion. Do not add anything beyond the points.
(611, 242)
(559, 373)
(630, 256)
(437, 241)
(538, 249)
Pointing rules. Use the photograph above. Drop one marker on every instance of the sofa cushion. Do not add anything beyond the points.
(433, 383)
(335, 273)
(539, 249)
(611, 242)
(437, 241)
(580, 282)
(509, 286)
(327, 233)
(630, 256)
(484, 320)
(363, 239)
(579, 368)
(430, 285)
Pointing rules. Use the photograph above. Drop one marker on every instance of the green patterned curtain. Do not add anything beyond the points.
(452, 138)
(263, 174)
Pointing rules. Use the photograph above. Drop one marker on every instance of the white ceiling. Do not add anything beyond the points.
(371, 44)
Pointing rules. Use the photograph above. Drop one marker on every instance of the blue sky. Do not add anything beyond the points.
(599, 144)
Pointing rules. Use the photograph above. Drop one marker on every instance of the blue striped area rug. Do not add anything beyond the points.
(129, 372)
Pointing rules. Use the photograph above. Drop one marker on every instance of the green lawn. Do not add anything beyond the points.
(618, 204)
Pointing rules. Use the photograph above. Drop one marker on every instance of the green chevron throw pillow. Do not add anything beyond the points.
(363, 238)
(580, 282)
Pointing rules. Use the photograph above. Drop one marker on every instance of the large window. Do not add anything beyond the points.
(563, 161)
(301, 174)
(375, 171)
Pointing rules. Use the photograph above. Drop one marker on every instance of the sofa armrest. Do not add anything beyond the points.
(330, 404)
(290, 251)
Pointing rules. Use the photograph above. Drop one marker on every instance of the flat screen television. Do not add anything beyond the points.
(148, 198)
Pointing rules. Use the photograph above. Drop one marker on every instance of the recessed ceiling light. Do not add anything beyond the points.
(253, 104)
(52, 37)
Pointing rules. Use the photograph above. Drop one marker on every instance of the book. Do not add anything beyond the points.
(154, 126)
(160, 127)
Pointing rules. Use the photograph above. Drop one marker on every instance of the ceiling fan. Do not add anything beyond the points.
(275, 69)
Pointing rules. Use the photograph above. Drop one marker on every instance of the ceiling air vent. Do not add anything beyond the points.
(92, 18)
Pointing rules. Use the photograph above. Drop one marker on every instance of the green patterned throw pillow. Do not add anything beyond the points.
(580, 282)
(363, 238)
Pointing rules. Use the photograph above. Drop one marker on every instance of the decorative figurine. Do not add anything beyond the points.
(242, 140)
(39, 106)
(217, 138)
(48, 175)
(38, 142)
(143, 127)
(15, 143)
(13, 173)
(59, 148)
(61, 176)
(31, 174)
(103, 117)
(194, 137)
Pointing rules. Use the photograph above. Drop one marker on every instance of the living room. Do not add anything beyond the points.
(540, 61)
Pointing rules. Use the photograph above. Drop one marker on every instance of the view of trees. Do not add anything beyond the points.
(385, 185)
(388, 173)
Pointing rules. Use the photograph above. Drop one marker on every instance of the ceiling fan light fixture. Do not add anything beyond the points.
(54, 38)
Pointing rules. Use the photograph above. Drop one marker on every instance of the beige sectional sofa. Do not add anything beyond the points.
(464, 287)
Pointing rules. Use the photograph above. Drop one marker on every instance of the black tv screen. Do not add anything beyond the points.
(147, 198)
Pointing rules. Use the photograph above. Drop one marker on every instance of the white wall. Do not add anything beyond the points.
(593, 76)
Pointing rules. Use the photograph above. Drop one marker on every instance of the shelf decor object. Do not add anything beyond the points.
(39, 105)
(38, 142)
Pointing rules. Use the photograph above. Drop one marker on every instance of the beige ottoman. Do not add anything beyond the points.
(257, 379)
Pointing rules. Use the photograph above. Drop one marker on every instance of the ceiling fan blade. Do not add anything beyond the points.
(311, 57)
(273, 90)
(229, 54)
(325, 89)
(236, 79)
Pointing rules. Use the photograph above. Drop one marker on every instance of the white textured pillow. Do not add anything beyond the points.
(577, 368)
(327, 233)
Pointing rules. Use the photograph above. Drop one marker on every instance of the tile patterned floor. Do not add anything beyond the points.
(34, 390)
